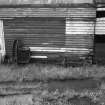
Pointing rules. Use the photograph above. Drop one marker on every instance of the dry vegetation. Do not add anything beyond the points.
(42, 96)
(68, 97)
(49, 72)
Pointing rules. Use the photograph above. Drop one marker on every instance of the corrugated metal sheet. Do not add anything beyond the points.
(17, 2)
(35, 32)
(79, 34)
(49, 29)
(48, 12)
(79, 27)
(100, 9)
(100, 26)
(100, 1)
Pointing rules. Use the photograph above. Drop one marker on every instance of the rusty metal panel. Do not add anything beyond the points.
(100, 26)
(48, 12)
(37, 32)
(17, 2)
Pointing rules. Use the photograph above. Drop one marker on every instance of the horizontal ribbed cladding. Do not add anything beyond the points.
(47, 12)
(100, 1)
(35, 32)
(79, 34)
(100, 26)
(100, 36)
(17, 2)
(81, 12)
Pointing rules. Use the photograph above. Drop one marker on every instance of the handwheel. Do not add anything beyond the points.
(16, 45)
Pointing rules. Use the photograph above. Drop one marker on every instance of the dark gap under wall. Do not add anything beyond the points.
(99, 38)
(100, 14)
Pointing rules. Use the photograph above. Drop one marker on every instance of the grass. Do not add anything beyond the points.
(49, 72)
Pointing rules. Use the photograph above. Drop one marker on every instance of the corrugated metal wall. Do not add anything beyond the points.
(48, 12)
(100, 1)
(100, 36)
(56, 27)
(17, 2)
(100, 26)
(80, 32)
(35, 32)
(79, 35)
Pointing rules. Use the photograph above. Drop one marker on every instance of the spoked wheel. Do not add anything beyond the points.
(16, 45)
